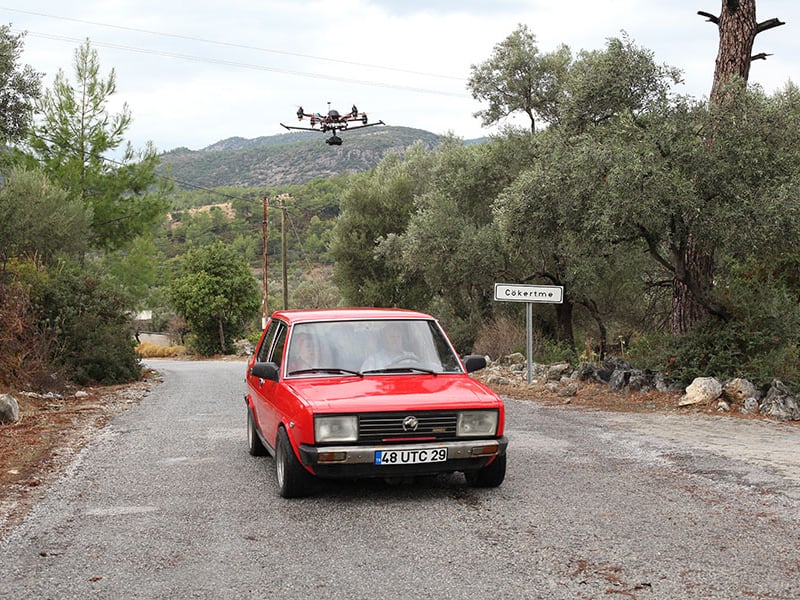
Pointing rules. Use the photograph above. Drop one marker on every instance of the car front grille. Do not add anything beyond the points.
(389, 427)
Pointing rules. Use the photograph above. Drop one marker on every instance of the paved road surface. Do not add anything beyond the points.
(168, 504)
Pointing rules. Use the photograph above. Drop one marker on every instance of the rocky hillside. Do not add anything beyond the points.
(290, 158)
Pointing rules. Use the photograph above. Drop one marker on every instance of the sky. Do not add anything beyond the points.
(193, 73)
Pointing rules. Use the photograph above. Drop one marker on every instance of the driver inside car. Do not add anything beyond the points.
(391, 350)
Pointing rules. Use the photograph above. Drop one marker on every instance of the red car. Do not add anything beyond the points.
(352, 393)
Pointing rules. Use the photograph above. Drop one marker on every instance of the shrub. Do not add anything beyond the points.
(87, 317)
(500, 337)
(727, 350)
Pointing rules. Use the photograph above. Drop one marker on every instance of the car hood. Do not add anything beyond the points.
(393, 392)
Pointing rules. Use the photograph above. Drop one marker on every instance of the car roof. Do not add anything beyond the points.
(347, 314)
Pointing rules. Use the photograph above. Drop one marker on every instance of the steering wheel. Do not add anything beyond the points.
(407, 359)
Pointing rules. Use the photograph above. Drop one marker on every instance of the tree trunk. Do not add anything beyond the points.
(564, 332)
(696, 265)
(221, 335)
(737, 32)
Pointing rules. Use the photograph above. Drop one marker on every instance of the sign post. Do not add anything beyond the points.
(511, 292)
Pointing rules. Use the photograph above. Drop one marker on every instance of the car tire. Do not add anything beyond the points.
(293, 480)
(254, 445)
(489, 476)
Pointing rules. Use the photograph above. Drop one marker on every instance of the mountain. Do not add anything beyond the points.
(289, 158)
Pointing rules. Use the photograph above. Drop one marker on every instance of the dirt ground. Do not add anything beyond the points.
(51, 431)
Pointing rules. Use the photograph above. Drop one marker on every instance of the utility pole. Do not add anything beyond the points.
(282, 199)
(265, 235)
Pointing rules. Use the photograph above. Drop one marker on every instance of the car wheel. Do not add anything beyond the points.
(490, 476)
(293, 480)
(254, 445)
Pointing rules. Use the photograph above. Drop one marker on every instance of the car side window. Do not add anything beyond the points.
(266, 344)
(276, 355)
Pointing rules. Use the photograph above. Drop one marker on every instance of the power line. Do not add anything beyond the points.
(230, 63)
(234, 45)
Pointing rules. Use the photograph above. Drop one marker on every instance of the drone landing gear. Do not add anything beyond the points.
(334, 140)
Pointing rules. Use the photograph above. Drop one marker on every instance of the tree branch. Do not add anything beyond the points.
(709, 17)
(768, 24)
(760, 56)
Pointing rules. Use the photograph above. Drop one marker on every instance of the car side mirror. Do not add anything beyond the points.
(265, 370)
(474, 362)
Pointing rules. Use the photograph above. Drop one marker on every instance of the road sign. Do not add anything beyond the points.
(512, 292)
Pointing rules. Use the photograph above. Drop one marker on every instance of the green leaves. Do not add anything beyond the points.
(74, 141)
(217, 295)
(19, 88)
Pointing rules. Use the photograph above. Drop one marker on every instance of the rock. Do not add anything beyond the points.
(568, 391)
(750, 406)
(702, 390)
(555, 372)
(586, 372)
(614, 362)
(9, 409)
(723, 406)
(618, 380)
(497, 380)
(81, 394)
(780, 403)
(516, 358)
(738, 390)
(640, 380)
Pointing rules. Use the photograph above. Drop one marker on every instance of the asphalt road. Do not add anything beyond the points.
(167, 503)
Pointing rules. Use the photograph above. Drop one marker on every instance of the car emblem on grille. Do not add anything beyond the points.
(410, 423)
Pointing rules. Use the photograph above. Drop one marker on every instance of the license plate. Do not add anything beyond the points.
(410, 457)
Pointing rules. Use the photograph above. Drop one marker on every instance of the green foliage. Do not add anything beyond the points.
(217, 295)
(37, 219)
(553, 351)
(82, 310)
(518, 78)
(19, 88)
(375, 208)
(726, 350)
(71, 142)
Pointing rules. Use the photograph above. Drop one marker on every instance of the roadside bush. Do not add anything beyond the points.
(87, 317)
(727, 350)
(23, 354)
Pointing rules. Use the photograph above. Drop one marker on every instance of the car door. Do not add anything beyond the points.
(264, 391)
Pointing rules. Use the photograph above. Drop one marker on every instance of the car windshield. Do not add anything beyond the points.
(366, 347)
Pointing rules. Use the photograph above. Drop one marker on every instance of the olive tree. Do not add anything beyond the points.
(216, 294)
(20, 87)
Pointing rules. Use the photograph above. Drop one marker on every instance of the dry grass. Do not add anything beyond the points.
(149, 350)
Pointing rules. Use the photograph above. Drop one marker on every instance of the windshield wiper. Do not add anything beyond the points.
(326, 370)
(400, 370)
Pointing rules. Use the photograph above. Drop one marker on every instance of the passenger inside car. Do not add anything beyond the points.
(302, 354)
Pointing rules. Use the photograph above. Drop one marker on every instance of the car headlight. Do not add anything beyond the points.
(336, 429)
(476, 423)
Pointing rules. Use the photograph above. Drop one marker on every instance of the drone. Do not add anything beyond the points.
(333, 121)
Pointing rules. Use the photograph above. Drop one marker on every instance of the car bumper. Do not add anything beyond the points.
(359, 461)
